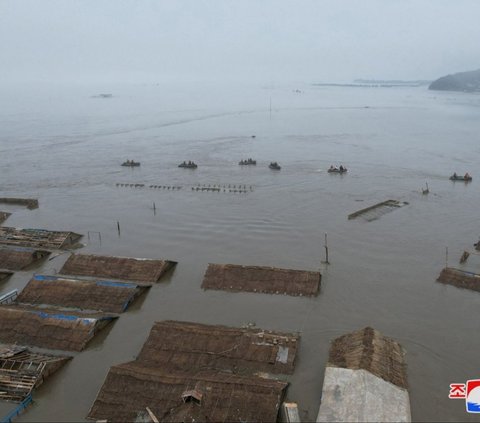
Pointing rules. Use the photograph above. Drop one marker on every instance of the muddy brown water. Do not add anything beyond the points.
(65, 148)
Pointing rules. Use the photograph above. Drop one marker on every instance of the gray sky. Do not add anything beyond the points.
(260, 40)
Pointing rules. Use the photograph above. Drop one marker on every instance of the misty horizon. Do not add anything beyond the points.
(268, 41)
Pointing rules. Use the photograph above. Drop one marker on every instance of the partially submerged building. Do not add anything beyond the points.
(5, 274)
(29, 203)
(377, 210)
(38, 238)
(121, 268)
(365, 380)
(4, 216)
(49, 328)
(22, 370)
(84, 294)
(20, 258)
(271, 280)
(193, 372)
(460, 278)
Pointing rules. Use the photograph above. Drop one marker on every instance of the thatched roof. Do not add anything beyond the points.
(19, 258)
(49, 328)
(38, 238)
(106, 296)
(4, 216)
(369, 350)
(4, 274)
(460, 278)
(186, 346)
(130, 388)
(22, 370)
(230, 277)
(121, 268)
(29, 203)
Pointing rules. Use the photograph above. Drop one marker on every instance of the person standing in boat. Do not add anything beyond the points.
(467, 176)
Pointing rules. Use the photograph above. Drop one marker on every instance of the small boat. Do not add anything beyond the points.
(131, 163)
(340, 170)
(247, 162)
(188, 165)
(274, 166)
(465, 178)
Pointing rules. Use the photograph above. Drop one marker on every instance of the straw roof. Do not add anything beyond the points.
(107, 296)
(38, 238)
(184, 345)
(18, 258)
(369, 350)
(230, 277)
(122, 268)
(4, 216)
(30, 203)
(22, 370)
(4, 274)
(460, 278)
(130, 388)
(49, 328)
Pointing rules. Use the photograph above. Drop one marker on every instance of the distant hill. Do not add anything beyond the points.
(463, 81)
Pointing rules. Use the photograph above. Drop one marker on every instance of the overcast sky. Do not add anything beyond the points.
(261, 40)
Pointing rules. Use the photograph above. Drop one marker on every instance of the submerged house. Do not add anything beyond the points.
(49, 328)
(365, 380)
(129, 269)
(192, 372)
(261, 279)
(20, 258)
(460, 278)
(83, 294)
(22, 370)
(38, 238)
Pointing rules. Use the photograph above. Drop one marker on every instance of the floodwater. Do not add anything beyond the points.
(64, 147)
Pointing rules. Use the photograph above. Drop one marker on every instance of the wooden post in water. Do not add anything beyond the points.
(446, 257)
(154, 209)
(118, 227)
(326, 250)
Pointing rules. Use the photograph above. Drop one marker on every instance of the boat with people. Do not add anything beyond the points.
(274, 166)
(340, 169)
(464, 178)
(188, 165)
(131, 163)
(247, 162)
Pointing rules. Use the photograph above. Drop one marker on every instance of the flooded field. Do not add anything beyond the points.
(63, 146)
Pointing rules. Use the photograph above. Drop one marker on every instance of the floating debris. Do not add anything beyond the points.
(268, 280)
